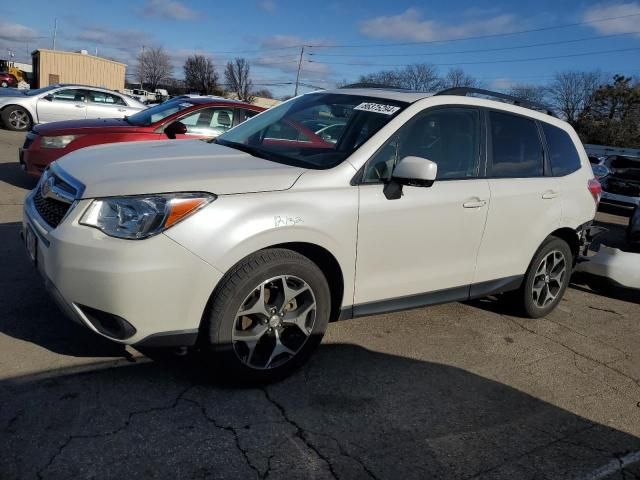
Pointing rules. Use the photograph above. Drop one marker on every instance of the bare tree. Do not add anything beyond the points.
(200, 74)
(572, 92)
(237, 78)
(383, 78)
(457, 77)
(153, 67)
(533, 93)
(421, 77)
(264, 93)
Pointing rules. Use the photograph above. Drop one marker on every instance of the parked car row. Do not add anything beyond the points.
(21, 109)
(332, 205)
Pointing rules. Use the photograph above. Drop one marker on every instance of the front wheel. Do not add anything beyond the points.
(16, 118)
(547, 278)
(267, 316)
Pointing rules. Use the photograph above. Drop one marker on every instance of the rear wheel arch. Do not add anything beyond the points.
(570, 236)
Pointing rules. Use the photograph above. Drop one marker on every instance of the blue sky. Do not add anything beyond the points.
(269, 33)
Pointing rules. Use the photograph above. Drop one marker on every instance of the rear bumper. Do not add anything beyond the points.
(150, 292)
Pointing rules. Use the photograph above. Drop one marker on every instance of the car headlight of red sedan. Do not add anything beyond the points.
(60, 141)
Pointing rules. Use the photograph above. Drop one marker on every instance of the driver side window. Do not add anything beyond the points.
(450, 137)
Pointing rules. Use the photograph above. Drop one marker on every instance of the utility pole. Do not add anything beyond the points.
(298, 74)
(55, 32)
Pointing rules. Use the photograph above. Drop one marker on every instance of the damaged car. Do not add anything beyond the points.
(620, 179)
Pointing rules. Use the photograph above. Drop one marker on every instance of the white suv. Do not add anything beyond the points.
(249, 246)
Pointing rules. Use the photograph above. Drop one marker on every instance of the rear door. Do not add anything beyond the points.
(63, 104)
(525, 203)
(105, 105)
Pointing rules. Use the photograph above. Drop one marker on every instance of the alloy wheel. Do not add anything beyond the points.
(274, 322)
(549, 278)
(19, 119)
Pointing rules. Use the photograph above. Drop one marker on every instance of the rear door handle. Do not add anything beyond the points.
(549, 194)
(474, 204)
(79, 106)
(122, 109)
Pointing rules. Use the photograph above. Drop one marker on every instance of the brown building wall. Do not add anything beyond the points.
(55, 66)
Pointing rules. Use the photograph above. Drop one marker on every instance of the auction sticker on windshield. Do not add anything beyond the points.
(377, 108)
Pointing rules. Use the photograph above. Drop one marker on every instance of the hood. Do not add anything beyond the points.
(104, 125)
(134, 168)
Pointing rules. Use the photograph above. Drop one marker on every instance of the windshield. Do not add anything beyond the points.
(38, 91)
(151, 115)
(316, 131)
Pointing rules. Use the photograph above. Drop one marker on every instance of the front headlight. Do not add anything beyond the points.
(139, 217)
(60, 141)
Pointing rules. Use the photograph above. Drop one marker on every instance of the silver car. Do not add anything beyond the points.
(21, 109)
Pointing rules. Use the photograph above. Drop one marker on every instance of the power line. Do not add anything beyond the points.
(478, 50)
(513, 60)
(478, 37)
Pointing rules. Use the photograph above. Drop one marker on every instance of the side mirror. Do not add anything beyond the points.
(412, 171)
(175, 128)
(48, 97)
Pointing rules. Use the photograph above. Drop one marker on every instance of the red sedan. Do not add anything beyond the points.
(181, 118)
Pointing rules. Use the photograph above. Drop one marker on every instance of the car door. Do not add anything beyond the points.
(63, 104)
(207, 122)
(525, 203)
(105, 105)
(421, 248)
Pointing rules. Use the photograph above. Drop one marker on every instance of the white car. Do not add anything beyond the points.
(247, 247)
(26, 108)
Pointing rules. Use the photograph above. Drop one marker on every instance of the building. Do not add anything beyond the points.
(56, 66)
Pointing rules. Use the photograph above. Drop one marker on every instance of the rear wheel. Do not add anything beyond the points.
(16, 118)
(547, 278)
(266, 318)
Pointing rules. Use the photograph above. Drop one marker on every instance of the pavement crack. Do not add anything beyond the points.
(123, 427)
(606, 310)
(300, 433)
(13, 420)
(233, 430)
(575, 352)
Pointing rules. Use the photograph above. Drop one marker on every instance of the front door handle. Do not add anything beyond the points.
(475, 203)
(79, 106)
(122, 109)
(549, 194)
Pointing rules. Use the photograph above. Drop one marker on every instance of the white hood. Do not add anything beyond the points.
(133, 168)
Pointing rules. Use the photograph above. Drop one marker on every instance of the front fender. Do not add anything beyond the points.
(235, 226)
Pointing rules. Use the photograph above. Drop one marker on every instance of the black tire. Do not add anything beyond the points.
(11, 123)
(525, 295)
(220, 318)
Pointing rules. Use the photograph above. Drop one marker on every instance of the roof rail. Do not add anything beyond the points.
(381, 86)
(521, 102)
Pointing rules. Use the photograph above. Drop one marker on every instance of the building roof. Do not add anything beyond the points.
(84, 55)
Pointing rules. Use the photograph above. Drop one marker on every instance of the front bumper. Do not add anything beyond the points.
(34, 159)
(157, 286)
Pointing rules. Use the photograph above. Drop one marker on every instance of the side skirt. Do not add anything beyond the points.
(455, 294)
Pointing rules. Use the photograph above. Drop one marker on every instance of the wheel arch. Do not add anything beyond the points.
(570, 236)
(32, 117)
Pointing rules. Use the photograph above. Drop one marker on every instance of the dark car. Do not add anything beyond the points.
(620, 181)
(176, 119)
(633, 230)
(8, 80)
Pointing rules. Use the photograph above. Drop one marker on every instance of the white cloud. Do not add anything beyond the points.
(412, 26)
(610, 10)
(120, 39)
(267, 5)
(168, 9)
(501, 84)
(14, 32)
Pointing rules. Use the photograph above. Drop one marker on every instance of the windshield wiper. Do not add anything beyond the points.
(243, 148)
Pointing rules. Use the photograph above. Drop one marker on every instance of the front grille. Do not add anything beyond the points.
(51, 210)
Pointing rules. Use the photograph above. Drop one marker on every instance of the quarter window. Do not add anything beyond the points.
(563, 155)
(447, 136)
(517, 151)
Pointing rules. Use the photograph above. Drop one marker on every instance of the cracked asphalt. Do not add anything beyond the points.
(456, 391)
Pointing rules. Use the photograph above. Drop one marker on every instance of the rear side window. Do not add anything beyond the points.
(563, 155)
(517, 150)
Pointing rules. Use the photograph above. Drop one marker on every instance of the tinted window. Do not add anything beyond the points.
(70, 95)
(448, 137)
(517, 151)
(104, 98)
(563, 155)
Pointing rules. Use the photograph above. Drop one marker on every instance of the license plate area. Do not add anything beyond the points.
(31, 243)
